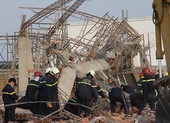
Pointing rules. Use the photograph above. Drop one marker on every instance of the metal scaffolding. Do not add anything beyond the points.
(93, 42)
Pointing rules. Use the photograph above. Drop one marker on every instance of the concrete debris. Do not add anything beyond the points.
(98, 116)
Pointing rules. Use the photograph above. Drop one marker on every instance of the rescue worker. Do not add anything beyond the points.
(137, 101)
(32, 91)
(148, 88)
(127, 88)
(9, 97)
(32, 86)
(72, 106)
(86, 92)
(116, 95)
(51, 93)
(42, 89)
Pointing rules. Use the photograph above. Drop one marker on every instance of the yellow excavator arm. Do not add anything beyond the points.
(161, 19)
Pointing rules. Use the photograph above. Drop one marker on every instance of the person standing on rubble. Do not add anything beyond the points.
(9, 97)
(32, 90)
(86, 92)
(148, 88)
(116, 95)
(51, 93)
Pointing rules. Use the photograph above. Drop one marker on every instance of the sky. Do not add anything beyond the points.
(10, 13)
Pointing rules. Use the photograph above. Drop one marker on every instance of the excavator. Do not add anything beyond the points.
(161, 19)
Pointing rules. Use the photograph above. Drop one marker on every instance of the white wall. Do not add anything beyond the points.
(145, 26)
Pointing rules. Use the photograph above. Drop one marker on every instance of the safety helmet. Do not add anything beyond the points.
(48, 70)
(146, 70)
(165, 73)
(92, 72)
(37, 73)
(152, 73)
(54, 70)
(141, 74)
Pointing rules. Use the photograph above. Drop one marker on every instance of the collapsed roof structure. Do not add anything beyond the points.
(104, 44)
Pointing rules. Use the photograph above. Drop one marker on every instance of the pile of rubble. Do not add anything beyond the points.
(100, 114)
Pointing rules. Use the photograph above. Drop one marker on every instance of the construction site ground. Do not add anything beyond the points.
(100, 114)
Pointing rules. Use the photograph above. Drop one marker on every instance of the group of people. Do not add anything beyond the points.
(43, 90)
(41, 95)
(87, 92)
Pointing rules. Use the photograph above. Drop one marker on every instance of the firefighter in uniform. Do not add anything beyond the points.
(32, 90)
(148, 88)
(51, 93)
(72, 106)
(137, 101)
(9, 97)
(127, 88)
(41, 91)
(116, 95)
(86, 92)
(33, 86)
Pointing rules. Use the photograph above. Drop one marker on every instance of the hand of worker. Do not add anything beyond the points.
(49, 105)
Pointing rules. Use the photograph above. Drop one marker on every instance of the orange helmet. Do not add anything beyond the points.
(141, 74)
(152, 73)
(146, 70)
(37, 73)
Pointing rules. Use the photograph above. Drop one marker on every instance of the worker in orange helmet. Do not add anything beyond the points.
(148, 88)
(32, 90)
(32, 86)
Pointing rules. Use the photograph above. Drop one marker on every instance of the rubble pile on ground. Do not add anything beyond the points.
(97, 117)
(100, 114)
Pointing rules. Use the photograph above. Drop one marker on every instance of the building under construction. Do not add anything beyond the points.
(105, 44)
